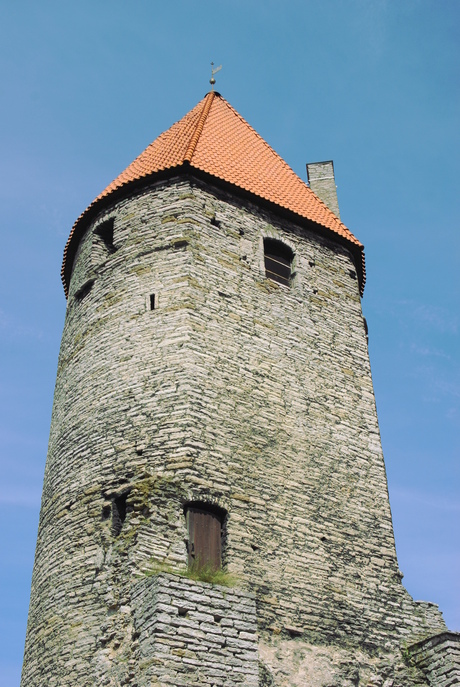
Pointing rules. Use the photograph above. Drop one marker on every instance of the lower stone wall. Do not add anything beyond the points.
(193, 634)
(439, 658)
(295, 663)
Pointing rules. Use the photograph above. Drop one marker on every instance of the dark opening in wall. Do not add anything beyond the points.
(294, 631)
(84, 290)
(118, 513)
(278, 261)
(205, 527)
(179, 243)
(366, 329)
(105, 231)
(152, 301)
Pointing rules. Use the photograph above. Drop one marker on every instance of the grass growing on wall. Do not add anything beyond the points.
(221, 576)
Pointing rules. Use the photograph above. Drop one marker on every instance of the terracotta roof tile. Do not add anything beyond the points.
(216, 140)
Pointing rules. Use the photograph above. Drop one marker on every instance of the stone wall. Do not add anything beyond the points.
(296, 663)
(439, 657)
(234, 390)
(194, 633)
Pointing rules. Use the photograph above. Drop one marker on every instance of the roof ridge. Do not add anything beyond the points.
(199, 127)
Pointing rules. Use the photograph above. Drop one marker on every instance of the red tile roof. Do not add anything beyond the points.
(214, 139)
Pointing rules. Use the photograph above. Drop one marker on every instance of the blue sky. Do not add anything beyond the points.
(371, 84)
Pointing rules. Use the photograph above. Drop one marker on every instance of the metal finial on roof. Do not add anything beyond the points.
(212, 80)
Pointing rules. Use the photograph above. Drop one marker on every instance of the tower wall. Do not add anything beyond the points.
(233, 390)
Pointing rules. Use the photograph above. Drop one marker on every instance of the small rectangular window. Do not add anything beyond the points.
(152, 301)
(278, 269)
(105, 231)
(84, 290)
(118, 513)
(278, 261)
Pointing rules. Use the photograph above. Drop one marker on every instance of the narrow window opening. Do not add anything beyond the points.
(152, 301)
(205, 526)
(105, 231)
(278, 261)
(294, 632)
(84, 290)
(118, 513)
(179, 243)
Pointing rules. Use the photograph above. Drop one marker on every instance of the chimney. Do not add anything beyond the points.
(322, 182)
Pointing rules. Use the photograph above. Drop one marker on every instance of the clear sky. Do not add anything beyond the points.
(371, 84)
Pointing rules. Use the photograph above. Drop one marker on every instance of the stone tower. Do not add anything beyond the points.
(214, 423)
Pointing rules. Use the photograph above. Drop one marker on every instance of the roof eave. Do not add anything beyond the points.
(185, 169)
(96, 207)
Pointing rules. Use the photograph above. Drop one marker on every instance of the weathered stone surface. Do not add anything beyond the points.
(233, 390)
(295, 663)
(439, 657)
(205, 653)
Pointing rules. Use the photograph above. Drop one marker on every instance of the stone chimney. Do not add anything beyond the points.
(322, 182)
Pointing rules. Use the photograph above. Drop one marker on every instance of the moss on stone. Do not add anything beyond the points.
(221, 577)
(141, 269)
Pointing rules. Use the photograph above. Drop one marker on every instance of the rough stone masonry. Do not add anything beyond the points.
(185, 375)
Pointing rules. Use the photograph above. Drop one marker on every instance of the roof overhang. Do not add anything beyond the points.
(187, 170)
